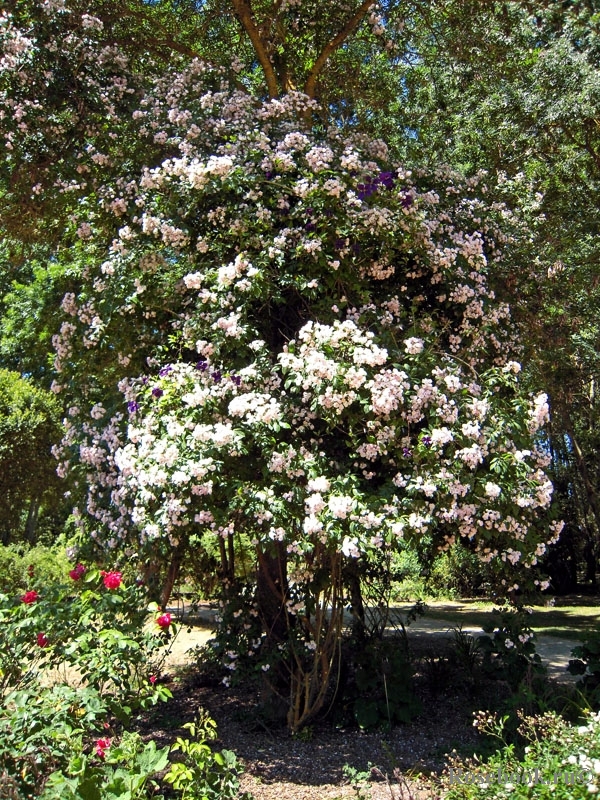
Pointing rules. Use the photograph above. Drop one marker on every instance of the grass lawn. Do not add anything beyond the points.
(570, 617)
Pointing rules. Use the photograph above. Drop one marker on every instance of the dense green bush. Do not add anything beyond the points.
(457, 572)
(22, 566)
(407, 576)
(29, 427)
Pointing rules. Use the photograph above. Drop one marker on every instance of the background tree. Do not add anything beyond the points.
(29, 426)
(513, 89)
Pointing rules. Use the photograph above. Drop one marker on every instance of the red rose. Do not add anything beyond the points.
(164, 621)
(42, 640)
(152, 679)
(112, 580)
(77, 573)
(29, 597)
(101, 746)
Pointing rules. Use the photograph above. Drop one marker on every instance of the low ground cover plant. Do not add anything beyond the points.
(560, 760)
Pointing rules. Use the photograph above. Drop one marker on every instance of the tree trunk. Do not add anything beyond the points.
(272, 592)
(352, 580)
(32, 520)
(589, 556)
(172, 576)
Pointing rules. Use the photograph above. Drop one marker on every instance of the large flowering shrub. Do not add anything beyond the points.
(307, 348)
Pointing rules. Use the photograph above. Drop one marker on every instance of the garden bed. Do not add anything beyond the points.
(311, 765)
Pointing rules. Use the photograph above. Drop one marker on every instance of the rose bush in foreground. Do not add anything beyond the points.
(59, 741)
(96, 629)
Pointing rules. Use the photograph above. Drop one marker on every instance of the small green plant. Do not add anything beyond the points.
(467, 651)
(126, 770)
(358, 780)
(509, 652)
(203, 774)
(304, 734)
(381, 694)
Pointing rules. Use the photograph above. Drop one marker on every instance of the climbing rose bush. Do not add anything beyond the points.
(304, 337)
(334, 323)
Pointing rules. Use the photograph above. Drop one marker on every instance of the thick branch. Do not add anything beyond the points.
(244, 14)
(166, 40)
(337, 41)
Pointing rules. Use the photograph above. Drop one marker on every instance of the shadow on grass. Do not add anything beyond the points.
(568, 621)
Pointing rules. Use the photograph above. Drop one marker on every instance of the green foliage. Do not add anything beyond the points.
(42, 727)
(467, 651)
(31, 290)
(97, 632)
(380, 694)
(203, 774)
(126, 771)
(457, 573)
(586, 662)
(29, 427)
(513, 89)
(94, 634)
(560, 761)
(406, 574)
(359, 780)
(75, 661)
(22, 567)
(509, 653)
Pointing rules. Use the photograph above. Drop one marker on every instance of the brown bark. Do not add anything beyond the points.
(172, 575)
(271, 592)
(330, 47)
(244, 14)
(32, 520)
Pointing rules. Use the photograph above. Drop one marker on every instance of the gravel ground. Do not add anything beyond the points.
(281, 767)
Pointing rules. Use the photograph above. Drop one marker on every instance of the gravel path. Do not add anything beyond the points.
(554, 651)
